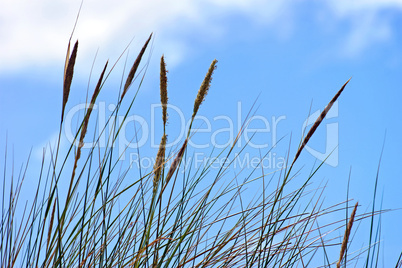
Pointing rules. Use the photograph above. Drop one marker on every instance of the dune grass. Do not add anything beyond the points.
(169, 216)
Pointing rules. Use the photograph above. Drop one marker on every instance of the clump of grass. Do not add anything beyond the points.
(115, 216)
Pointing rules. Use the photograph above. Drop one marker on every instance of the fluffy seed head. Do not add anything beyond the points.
(202, 92)
(163, 89)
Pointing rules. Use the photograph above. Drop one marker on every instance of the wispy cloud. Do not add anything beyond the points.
(368, 23)
(367, 30)
(36, 33)
(345, 7)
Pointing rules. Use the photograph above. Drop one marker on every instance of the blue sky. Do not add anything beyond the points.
(287, 56)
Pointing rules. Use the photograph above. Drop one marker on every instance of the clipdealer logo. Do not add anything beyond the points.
(146, 130)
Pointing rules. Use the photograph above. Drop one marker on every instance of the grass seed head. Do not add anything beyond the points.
(68, 76)
(176, 162)
(159, 163)
(202, 92)
(163, 89)
(134, 68)
(318, 121)
(346, 236)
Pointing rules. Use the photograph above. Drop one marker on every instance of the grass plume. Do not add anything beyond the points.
(134, 68)
(346, 236)
(203, 91)
(176, 162)
(68, 75)
(159, 163)
(163, 90)
(318, 122)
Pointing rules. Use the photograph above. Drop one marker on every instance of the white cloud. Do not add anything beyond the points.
(367, 29)
(369, 25)
(47, 145)
(31, 32)
(35, 33)
(346, 7)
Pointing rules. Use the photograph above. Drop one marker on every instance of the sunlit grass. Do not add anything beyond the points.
(109, 216)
